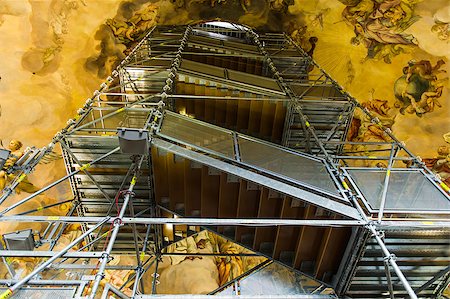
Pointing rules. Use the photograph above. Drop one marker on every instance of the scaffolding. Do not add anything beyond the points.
(252, 109)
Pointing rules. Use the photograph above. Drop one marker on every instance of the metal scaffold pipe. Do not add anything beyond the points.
(386, 184)
(76, 120)
(299, 126)
(297, 106)
(373, 119)
(391, 259)
(33, 162)
(175, 65)
(85, 166)
(139, 270)
(117, 224)
(46, 207)
(42, 266)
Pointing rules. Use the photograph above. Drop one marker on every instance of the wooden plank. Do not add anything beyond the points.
(268, 208)
(189, 90)
(232, 110)
(160, 174)
(209, 193)
(176, 181)
(241, 64)
(210, 60)
(228, 202)
(267, 118)
(180, 104)
(250, 67)
(199, 105)
(234, 63)
(167, 229)
(220, 111)
(278, 122)
(226, 62)
(211, 106)
(192, 187)
(254, 122)
(248, 206)
(309, 240)
(243, 113)
(287, 235)
(228, 197)
(331, 251)
(258, 67)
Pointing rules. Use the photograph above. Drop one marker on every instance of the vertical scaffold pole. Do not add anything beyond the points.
(42, 266)
(117, 224)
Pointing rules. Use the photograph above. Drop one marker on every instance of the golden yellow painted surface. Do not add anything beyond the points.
(54, 54)
(55, 51)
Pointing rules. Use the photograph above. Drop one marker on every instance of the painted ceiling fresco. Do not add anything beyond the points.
(392, 55)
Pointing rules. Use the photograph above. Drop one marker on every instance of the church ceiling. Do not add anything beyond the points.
(392, 55)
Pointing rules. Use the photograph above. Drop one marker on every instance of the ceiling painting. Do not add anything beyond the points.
(392, 55)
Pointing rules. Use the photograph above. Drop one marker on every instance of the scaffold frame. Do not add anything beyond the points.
(148, 108)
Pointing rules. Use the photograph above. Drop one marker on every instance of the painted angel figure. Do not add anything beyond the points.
(380, 26)
(419, 88)
(440, 165)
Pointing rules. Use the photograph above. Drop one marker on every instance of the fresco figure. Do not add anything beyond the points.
(363, 129)
(16, 153)
(181, 274)
(418, 89)
(424, 69)
(278, 5)
(379, 26)
(442, 30)
(120, 28)
(428, 100)
(140, 22)
(440, 165)
(229, 267)
(300, 34)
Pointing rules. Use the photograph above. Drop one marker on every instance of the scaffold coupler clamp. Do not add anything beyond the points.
(419, 162)
(103, 86)
(161, 105)
(108, 256)
(117, 222)
(58, 136)
(375, 120)
(391, 257)
(379, 233)
(76, 201)
(156, 120)
(129, 193)
(347, 189)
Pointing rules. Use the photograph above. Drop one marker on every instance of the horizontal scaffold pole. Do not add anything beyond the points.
(85, 166)
(191, 221)
(385, 224)
(20, 283)
(29, 253)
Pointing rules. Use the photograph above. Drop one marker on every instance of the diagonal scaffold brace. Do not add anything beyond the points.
(45, 264)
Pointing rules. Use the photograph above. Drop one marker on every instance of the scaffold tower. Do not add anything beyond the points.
(213, 126)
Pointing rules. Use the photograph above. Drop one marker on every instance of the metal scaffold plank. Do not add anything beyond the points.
(271, 197)
(280, 186)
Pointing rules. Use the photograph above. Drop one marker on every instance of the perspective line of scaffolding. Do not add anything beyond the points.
(156, 108)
